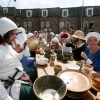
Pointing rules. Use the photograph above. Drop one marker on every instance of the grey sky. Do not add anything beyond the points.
(24, 4)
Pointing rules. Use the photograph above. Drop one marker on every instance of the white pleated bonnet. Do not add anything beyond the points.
(55, 39)
(95, 34)
(6, 25)
(29, 35)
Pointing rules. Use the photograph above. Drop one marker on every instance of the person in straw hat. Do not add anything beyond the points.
(78, 44)
(14, 82)
(92, 52)
(55, 44)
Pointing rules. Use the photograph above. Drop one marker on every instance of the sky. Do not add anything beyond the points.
(30, 4)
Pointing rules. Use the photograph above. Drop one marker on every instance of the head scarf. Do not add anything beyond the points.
(29, 35)
(40, 35)
(55, 39)
(21, 35)
(95, 34)
(6, 25)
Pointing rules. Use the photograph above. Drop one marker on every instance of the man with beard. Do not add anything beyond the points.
(78, 44)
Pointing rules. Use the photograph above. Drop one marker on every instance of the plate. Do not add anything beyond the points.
(78, 81)
(72, 66)
(41, 61)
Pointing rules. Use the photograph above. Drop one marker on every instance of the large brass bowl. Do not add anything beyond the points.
(95, 80)
(49, 82)
(33, 44)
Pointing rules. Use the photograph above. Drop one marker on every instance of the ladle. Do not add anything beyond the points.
(54, 93)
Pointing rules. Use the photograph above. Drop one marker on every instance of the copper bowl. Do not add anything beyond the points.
(49, 82)
(95, 80)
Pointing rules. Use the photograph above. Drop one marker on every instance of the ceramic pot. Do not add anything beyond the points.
(32, 44)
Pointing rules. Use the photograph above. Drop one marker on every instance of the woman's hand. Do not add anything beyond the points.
(84, 55)
(18, 48)
(25, 78)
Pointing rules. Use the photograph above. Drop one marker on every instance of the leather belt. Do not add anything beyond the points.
(11, 80)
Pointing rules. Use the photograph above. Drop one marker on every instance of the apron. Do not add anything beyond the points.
(26, 90)
(66, 49)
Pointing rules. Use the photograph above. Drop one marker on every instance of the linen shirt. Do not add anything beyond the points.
(9, 60)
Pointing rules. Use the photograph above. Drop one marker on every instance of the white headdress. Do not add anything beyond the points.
(6, 25)
(40, 35)
(52, 33)
(55, 39)
(29, 35)
(21, 35)
(95, 34)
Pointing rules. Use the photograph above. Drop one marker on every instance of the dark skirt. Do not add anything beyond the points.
(27, 93)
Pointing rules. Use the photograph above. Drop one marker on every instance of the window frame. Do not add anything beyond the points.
(47, 24)
(63, 10)
(84, 23)
(27, 11)
(25, 25)
(68, 23)
(45, 11)
(42, 24)
(88, 10)
(5, 9)
(29, 25)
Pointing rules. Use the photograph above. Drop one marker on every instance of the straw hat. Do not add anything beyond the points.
(6, 25)
(79, 34)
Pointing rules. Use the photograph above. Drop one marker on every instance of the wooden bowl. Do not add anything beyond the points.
(95, 80)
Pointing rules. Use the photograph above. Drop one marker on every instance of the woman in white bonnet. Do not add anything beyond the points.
(92, 52)
(14, 82)
(26, 61)
(56, 44)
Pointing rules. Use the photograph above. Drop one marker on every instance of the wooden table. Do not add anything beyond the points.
(49, 70)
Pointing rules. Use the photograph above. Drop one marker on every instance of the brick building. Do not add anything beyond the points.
(55, 18)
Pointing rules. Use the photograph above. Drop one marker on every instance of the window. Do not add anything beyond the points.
(61, 25)
(47, 24)
(30, 25)
(25, 24)
(64, 12)
(44, 13)
(29, 13)
(85, 24)
(89, 12)
(91, 25)
(5, 10)
(67, 24)
(42, 24)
